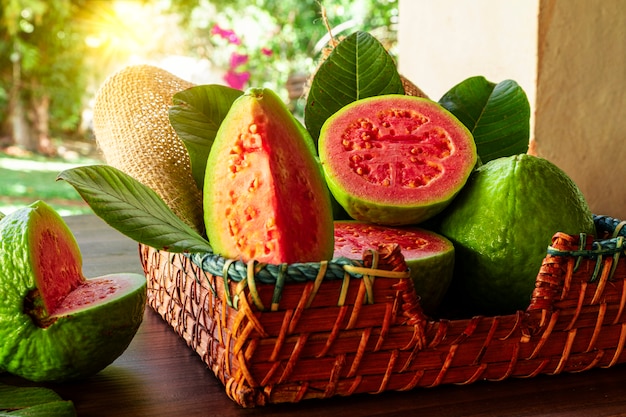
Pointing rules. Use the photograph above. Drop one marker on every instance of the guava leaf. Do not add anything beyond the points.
(12, 397)
(33, 401)
(498, 115)
(133, 209)
(358, 67)
(51, 409)
(196, 115)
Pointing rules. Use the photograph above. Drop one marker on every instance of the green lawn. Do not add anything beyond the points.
(26, 180)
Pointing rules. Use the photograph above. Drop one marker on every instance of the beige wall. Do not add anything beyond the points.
(443, 42)
(581, 101)
(568, 55)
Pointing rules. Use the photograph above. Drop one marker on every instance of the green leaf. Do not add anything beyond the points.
(498, 115)
(33, 401)
(51, 409)
(133, 209)
(196, 116)
(12, 397)
(358, 67)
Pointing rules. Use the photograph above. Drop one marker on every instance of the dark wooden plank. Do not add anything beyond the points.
(160, 376)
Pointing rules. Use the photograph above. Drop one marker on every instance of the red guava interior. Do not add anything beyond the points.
(58, 272)
(352, 238)
(398, 150)
(57, 262)
(95, 291)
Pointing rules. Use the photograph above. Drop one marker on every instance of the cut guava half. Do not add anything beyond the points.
(55, 324)
(395, 159)
(429, 256)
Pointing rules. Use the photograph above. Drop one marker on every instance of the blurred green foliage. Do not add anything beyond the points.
(55, 54)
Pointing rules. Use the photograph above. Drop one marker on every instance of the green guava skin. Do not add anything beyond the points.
(432, 277)
(365, 198)
(501, 225)
(76, 344)
(368, 210)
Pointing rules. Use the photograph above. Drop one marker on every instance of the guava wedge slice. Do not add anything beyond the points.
(395, 159)
(264, 192)
(429, 256)
(55, 324)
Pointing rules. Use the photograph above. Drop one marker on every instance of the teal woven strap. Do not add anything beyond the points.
(248, 274)
(599, 248)
(610, 225)
(271, 273)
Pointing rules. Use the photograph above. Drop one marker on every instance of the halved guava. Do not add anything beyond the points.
(429, 256)
(54, 323)
(264, 192)
(395, 159)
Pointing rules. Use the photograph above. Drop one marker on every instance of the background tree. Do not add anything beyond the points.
(55, 54)
(44, 79)
(278, 43)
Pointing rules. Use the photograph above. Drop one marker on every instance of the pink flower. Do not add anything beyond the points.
(267, 51)
(227, 34)
(236, 79)
(237, 59)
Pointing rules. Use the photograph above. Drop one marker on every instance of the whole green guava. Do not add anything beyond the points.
(501, 224)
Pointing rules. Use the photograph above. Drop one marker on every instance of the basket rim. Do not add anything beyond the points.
(375, 262)
(336, 268)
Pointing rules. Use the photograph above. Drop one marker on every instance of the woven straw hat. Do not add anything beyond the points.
(411, 89)
(132, 128)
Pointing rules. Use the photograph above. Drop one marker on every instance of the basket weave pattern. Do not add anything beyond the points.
(366, 333)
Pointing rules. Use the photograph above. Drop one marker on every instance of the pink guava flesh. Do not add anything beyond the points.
(428, 255)
(58, 268)
(93, 292)
(61, 285)
(352, 238)
(397, 150)
(265, 198)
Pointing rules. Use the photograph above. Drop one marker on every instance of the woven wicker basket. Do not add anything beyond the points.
(275, 334)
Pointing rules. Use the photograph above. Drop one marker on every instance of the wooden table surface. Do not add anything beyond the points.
(159, 375)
